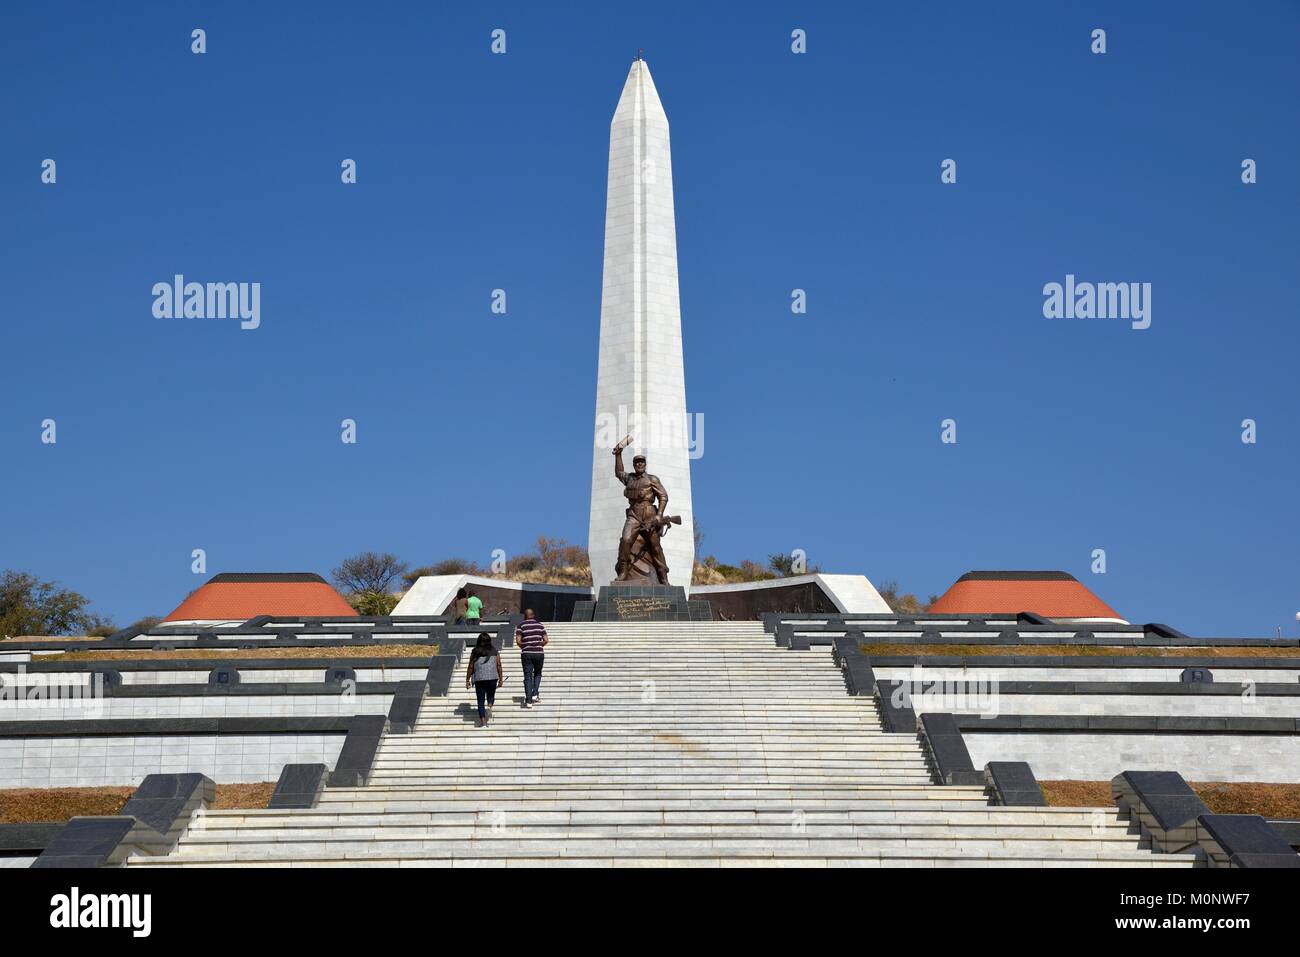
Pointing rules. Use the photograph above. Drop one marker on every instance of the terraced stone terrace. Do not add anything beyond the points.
(697, 744)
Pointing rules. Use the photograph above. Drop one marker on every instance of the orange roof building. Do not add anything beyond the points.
(1050, 594)
(243, 595)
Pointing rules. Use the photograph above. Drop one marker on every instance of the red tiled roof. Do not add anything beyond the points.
(1050, 594)
(249, 594)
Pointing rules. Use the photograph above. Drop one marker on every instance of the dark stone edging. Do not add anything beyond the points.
(1027, 629)
(405, 709)
(208, 664)
(1132, 724)
(260, 632)
(1080, 638)
(299, 786)
(1168, 811)
(357, 757)
(967, 723)
(439, 675)
(1012, 784)
(1224, 689)
(151, 822)
(226, 640)
(1243, 840)
(28, 837)
(135, 727)
(1084, 661)
(1289, 830)
(772, 619)
(894, 704)
(946, 751)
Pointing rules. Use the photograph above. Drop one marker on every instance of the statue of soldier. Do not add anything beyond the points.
(644, 521)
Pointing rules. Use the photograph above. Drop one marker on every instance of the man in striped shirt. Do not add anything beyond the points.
(531, 638)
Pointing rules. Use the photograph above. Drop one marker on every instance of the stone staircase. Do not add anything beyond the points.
(696, 744)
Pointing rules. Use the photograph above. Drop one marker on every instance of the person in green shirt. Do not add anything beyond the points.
(473, 610)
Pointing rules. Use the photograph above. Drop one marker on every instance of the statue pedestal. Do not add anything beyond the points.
(635, 602)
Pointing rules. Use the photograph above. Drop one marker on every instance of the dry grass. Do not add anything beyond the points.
(1274, 801)
(54, 638)
(348, 651)
(1076, 793)
(563, 575)
(1073, 651)
(43, 805)
(704, 575)
(244, 795)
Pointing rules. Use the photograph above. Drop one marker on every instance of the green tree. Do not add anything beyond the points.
(29, 606)
(783, 565)
(373, 602)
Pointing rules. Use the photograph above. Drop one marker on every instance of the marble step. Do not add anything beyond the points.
(659, 768)
(468, 743)
(750, 755)
(676, 700)
(648, 773)
(594, 715)
(699, 729)
(464, 733)
(885, 860)
(552, 752)
(886, 798)
(539, 725)
(579, 837)
(738, 691)
(843, 849)
(877, 796)
(491, 785)
(857, 757)
(576, 813)
(627, 676)
(693, 728)
(1162, 861)
(590, 758)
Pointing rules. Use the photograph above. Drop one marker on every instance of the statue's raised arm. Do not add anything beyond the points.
(619, 472)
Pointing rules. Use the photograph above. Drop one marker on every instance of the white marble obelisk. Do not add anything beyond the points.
(640, 383)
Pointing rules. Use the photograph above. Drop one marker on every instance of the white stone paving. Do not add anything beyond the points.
(660, 745)
(95, 761)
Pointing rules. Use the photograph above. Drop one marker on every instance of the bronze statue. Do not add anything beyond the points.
(639, 551)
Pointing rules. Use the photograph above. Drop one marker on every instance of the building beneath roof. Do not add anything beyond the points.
(1055, 595)
(737, 601)
(234, 598)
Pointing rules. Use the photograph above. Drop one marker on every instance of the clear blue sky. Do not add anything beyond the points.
(818, 171)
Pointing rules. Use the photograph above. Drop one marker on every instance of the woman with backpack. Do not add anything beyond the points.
(460, 607)
(485, 671)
